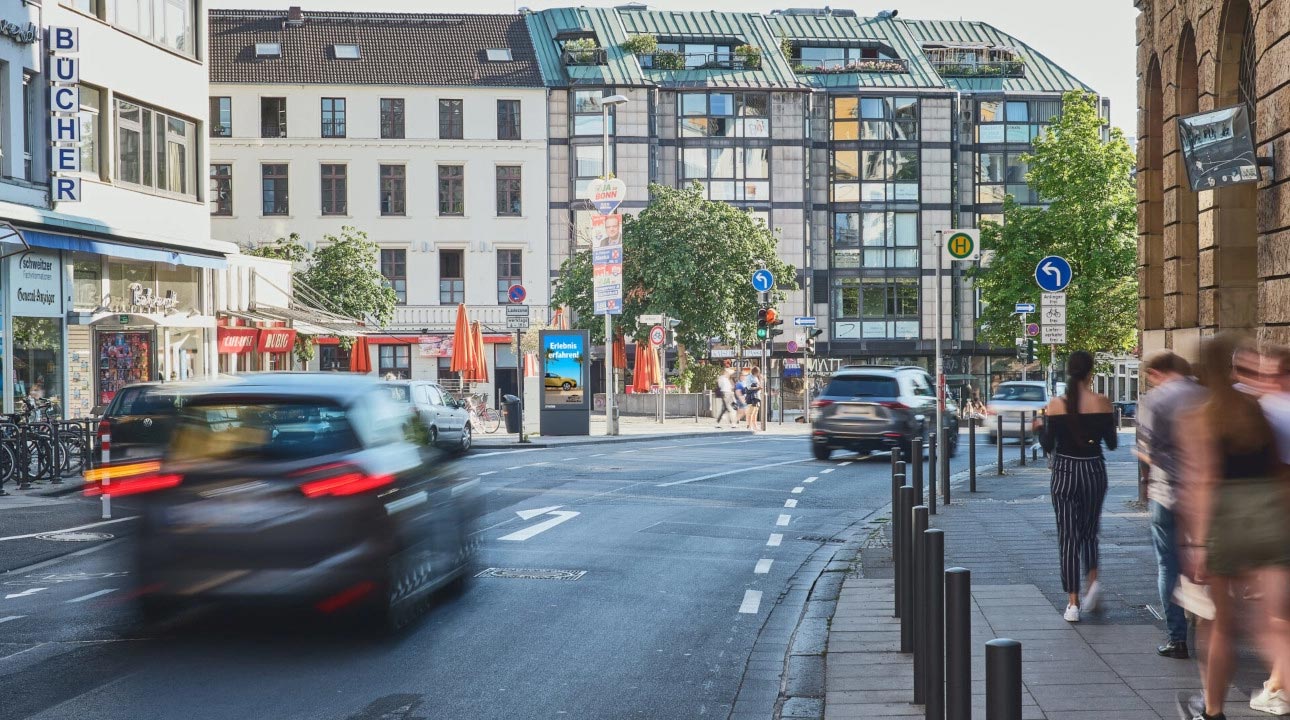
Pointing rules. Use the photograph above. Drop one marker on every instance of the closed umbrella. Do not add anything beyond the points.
(530, 365)
(463, 349)
(481, 360)
(643, 376)
(620, 352)
(359, 359)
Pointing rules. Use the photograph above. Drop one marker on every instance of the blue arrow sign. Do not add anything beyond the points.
(808, 321)
(763, 280)
(1053, 274)
(1024, 308)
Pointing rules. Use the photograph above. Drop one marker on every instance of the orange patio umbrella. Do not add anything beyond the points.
(530, 365)
(560, 319)
(620, 352)
(463, 349)
(360, 361)
(480, 369)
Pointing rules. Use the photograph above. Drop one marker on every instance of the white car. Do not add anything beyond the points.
(448, 421)
(1012, 400)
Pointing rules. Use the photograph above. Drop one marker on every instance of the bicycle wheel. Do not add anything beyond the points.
(72, 449)
(492, 420)
(8, 463)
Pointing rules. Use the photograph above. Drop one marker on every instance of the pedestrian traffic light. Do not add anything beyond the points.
(763, 326)
(810, 340)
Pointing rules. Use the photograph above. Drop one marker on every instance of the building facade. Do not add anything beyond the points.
(1213, 260)
(108, 272)
(426, 132)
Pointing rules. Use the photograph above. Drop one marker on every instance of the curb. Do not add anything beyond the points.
(600, 440)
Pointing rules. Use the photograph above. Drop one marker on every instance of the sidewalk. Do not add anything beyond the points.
(636, 429)
(1005, 534)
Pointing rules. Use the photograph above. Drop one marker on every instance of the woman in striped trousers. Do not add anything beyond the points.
(1075, 428)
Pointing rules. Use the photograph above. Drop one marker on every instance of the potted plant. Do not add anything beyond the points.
(669, 60)
(641, 44)
(750, 55)
(582, 50)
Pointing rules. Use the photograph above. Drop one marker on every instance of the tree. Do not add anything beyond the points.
(686, 257)
(1090, 219)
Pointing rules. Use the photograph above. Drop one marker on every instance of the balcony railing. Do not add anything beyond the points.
(863, 65)
(984, 69)
(584, 56)
(439, 319)
(668, 60)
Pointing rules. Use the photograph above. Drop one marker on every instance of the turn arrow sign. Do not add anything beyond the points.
(528, 532)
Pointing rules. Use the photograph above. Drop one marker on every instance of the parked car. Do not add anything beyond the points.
(300, 489)
(868, 409)
(138, 421)
(447, 420)
(555, 382)
(1010, 401)
(1127, 408)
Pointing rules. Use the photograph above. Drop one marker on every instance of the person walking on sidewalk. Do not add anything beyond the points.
(726, 391)
(1074, 429)
(1236, 537)
(752, 393)
(1273, 698)
(1173, 394)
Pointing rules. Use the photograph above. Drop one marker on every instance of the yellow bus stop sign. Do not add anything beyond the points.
(962, 245)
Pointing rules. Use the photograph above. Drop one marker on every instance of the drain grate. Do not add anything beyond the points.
(821, 539)
(532, 574)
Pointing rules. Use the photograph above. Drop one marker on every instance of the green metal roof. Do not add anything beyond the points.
(748, 28)
(1042, 74)
(832, 29)
(620, 68)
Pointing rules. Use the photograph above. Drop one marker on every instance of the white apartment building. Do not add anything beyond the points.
(107, 259)
(426, 132)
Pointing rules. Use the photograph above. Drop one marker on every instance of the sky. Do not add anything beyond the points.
(1093, 39)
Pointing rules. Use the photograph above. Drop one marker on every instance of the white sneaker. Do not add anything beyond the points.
(1071, 614)
(1272, 703)
(1093, 598)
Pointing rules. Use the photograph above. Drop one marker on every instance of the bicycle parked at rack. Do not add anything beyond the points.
(36, 445)
(482, 417)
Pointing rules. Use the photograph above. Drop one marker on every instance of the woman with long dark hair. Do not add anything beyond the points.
(1075, 428)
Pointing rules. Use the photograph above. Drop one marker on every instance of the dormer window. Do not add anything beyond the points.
(498, 54)
(346, 52)
(268, 50)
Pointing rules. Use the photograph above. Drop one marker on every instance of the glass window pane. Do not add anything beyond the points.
(846, 131)
(989, 133)
(873, 108)
(989, 194)
(905, 191)
(721, 104)
(906, 329)
(846, 165)
(906, 228)
(875, 229)
(846, 258)
(722, 126)
(723, 162)
(846, 192)
(906, 165)
(587, 101)
(873, 192)
(588, 160)
(874, 130)
(906, 259)
(756, 162)
(1016, 172)
(588, 124)
(694, 163)
(694, 104)
(875, 165)
(846, 229)
(991, 111)
(845, 108)
(990, 167)
(754, 105)
(1018, 112)
(1018, 133)
(723, 190)
(1046, 110)
(751, 190)
(695, 127)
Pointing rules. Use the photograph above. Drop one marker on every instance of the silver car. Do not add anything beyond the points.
(447, 419)
(1010, 401)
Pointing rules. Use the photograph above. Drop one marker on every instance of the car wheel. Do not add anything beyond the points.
(821, 452)
(466, 439)
(566, 386)
(434, 436)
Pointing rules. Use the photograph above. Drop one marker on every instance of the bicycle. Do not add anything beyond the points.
(482, 417)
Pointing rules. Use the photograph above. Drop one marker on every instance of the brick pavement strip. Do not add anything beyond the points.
(1006, 536)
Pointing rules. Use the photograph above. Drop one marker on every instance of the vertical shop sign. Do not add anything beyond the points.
(64, 73)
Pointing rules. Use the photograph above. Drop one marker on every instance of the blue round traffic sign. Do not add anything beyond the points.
(516, 293)
(1053, 274)
(763, 280)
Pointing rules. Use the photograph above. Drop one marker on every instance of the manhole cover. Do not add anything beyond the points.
(76, 536)
(532, 573)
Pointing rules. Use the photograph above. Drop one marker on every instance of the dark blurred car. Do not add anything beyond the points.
(1127, 408)
(139, 420)
(447, 420)
(867, 409)
(301, 489)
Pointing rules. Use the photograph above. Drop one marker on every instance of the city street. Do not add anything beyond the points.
(632, 581)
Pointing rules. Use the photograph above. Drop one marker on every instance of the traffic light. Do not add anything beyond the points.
(773, 322)
(1030, 350)
(669, 338)
(810, 340)
(763, 326)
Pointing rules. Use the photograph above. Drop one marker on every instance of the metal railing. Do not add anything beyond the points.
(669, 60)
(442, 318)
(584, 56)
(986, 69)
(863, 65)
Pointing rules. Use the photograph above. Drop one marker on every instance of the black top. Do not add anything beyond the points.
(1259, 463)
(1079, 435)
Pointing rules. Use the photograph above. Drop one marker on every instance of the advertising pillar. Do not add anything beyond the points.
(566, 371)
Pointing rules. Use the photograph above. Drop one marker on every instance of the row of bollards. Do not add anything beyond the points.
(934, 607)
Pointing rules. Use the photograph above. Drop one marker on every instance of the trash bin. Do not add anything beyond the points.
(511, 409)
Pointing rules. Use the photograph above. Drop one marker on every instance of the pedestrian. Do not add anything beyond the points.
(726, 393)
(752, 394)
(1075, 427)
(741, 399)
(1173, 394)
(1235, 537)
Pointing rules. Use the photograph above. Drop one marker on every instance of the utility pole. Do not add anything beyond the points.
(940, 370)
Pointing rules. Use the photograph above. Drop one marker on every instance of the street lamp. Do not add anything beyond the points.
(611, 385)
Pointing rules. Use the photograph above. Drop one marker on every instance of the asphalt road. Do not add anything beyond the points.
(686, 546)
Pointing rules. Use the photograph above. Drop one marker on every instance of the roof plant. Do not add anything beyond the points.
(750, 55)
(644, 44)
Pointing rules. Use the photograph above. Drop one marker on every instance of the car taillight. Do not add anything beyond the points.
(821, 403)
(339, 480)
(894, 405)
(136, 485)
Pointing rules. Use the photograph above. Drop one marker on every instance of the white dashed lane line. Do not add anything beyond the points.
(783, 520)
(775, 540)
(17, 617)
(826, 471)
(490, 472)
(790, 503)
(798, 490)
(844, 464)
(752, 601)
(92, 595)
(811, 479)
(763, 566)
(515, 467)
(24, 593)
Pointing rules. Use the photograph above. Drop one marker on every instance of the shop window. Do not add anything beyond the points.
(333, 358)
(87, 282)
(452, 278)
(395, 361)
(124, 358)
(37, 357)
(221, 189)
(394, 267)
(392, 118)
(155, 151)
(451, 121)
(394, 188)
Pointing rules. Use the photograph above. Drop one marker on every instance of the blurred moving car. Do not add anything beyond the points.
(1012, 400)
(555, 382)
(447, 420)
(867, 409)
(139, 420)
(1127, 408)
(299, 488)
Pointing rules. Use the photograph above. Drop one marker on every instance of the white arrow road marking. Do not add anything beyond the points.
(92, 595)
(798, 490)
(24, 593)
(526, 533)
(763, 566)
(11, 617)
(728, 472)
(783, 520)
(752, 601)
(775, 540)
(790, 503)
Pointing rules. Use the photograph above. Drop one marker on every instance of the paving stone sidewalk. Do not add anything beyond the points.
(1105, 666)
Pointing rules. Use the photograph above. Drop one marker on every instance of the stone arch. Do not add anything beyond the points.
(1182, 234)
(1151, 179)
(1229, 268)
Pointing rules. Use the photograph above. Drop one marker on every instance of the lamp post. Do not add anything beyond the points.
(611, 386)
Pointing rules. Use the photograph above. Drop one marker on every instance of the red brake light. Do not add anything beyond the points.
(341, 479)
(894, 405)
(821, 403)
(136, 485)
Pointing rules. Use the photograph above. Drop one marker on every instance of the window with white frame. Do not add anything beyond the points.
(156, 151)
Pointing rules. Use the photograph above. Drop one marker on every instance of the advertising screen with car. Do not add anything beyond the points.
(564, 358)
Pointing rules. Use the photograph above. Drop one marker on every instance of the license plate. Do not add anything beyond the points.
(222, 514)
(856, 411)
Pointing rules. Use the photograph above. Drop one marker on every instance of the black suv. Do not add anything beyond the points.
(139, 420)
(867, 409)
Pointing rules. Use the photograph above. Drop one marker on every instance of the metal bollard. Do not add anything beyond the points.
(1003, 680)
(998, 445)
(972, 456)
(916, 462)
(895, 458)
(958, 644)
(945, 470)
(905, 570)
(897, 546)
(1022, 435)
(920, 602)
(932, 469)
(934, 668)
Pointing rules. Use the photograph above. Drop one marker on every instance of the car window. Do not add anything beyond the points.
(421, 394)
(433, 395)
(862, 386)
(145, 401)
(1019, 393)
(920, 385)
(378, 420)
(398, 392)
(268, 428)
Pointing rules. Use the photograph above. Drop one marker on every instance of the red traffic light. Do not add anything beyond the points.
(771, 316)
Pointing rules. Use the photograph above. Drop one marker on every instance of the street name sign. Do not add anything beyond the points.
(1024, 308)
(649, 320)
(807, 321)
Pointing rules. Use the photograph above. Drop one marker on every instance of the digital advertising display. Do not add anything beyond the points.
(564, 369)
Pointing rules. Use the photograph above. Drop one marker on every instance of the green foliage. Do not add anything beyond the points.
(582, 50)
(688, 258)
(750, 55)
(703, 377)
(344, 270)
(1091, 220)
(786, 47)
(287, 248)
(641, 44)
(669, 60)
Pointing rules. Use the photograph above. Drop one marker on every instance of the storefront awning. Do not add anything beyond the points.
(57, 241)
(307, 321)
